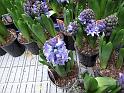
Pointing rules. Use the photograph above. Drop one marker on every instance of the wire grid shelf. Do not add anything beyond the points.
(25, 74)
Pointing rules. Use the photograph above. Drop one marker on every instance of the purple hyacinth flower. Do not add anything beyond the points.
(55, 51)
(61, 25)
(95, 27)
(121, 80)
(86, 16)
(72, 27)
(36, 8)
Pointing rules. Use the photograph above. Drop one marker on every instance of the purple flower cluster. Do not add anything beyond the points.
(121, 80)
(55, 51)
(95, 27)
(35, 8)
(61, 25)
(72, 27)
(86, 16)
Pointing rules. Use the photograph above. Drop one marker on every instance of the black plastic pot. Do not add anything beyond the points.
(87, 60)
(64, 82)
(2, 52)
(15, 49)
(11, 26)
(32, 47)
(69, 42)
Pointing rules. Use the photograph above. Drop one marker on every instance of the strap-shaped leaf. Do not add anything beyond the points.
(121, 15)
(102, 7)
(55, 5)
(28, 20)
(60, 69)
(105, 54)
(48, 25)
(3, 30)
(118, 38)
(95, 6)
(68, 16)
(120, 60)
(23, 27)
(90, 84)
(38, 31)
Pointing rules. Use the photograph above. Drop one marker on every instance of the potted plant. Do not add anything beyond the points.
(62, 69)
(69, 31)
(25, 23)
(92, 84)
(9, 43)
(94, 21)
(111, 51)
(6, 17)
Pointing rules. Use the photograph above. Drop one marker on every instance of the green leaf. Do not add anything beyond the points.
(79, 38)
(60, 69)
(44, 62)
(68, 16)
(55, 6)
(90, 84)
(95, 6)
(3, 10)
(101, 89)
(118, 38)
(121, 15)
(120, 60)
(28, 20)
(23, 27)
(102, 7)
(105, 54)
(1, 39)
(48, 25)
(3, 30)
(38, 31)
(68, 66)
(106, 81)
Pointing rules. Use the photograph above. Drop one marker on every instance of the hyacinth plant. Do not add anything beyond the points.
(57, 57)
(35, 8)
(30, 29)
(102, 84)
(59, 7)
(113, 45)
(96, 20)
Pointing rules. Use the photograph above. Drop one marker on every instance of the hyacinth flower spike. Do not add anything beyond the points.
(55, 51)
(95, 27)
(72, 28)
(35, 8)
(86, 16)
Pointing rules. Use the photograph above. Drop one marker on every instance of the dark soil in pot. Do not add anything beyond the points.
(2, 52)
(12, 46)
(31, 46)
(64, 82)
